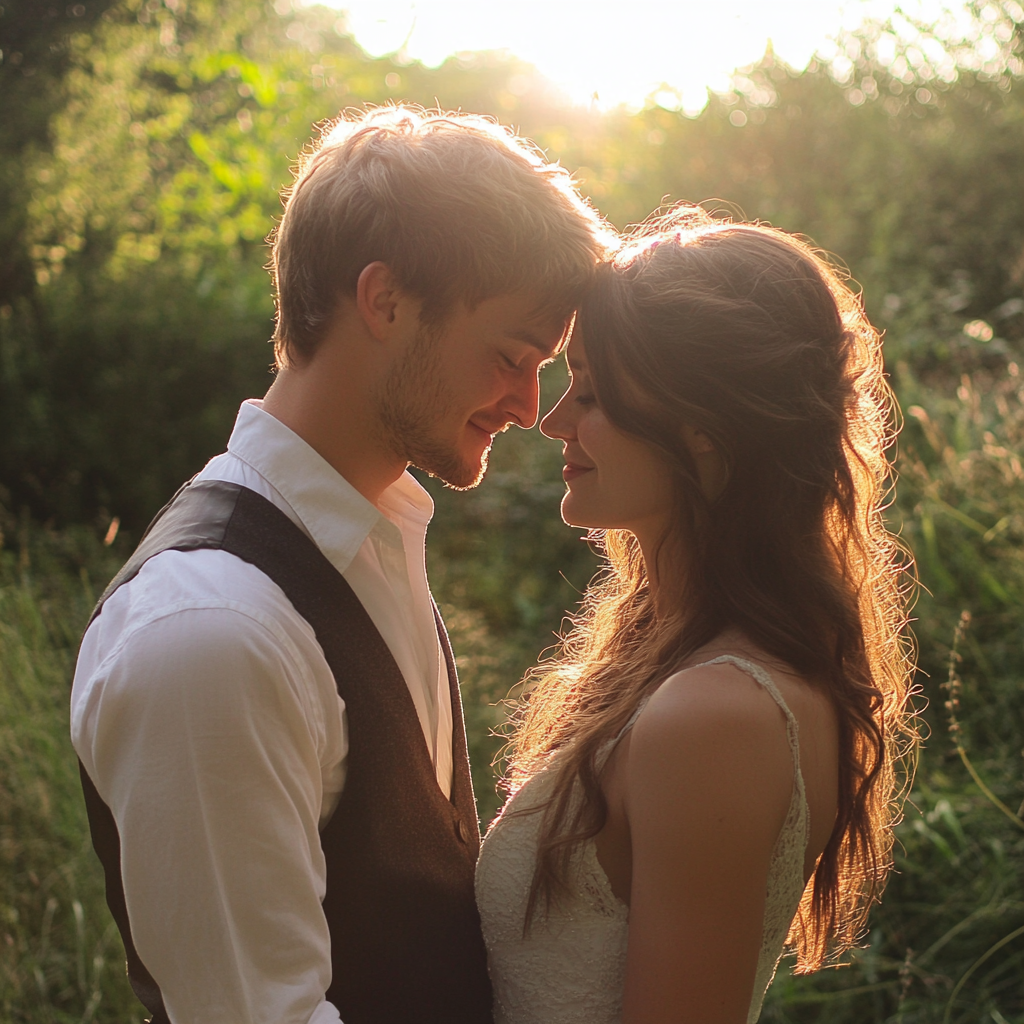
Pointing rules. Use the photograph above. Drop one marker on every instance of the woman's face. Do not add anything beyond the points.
(615, 481)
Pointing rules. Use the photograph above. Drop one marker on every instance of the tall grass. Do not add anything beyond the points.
(61, 959)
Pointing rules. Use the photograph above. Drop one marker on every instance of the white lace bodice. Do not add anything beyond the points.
(570, 967)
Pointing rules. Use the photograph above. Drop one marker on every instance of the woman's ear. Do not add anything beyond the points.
(697, 441)
(710, 465)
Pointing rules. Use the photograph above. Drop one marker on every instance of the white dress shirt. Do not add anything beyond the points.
(207, 717)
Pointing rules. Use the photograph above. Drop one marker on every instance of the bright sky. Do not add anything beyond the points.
(623, 50)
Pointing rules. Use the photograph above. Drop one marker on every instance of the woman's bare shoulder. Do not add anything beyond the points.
(715, 728)
(711, 722)
(708, 776)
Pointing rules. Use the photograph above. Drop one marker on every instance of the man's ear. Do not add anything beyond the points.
(379, 299)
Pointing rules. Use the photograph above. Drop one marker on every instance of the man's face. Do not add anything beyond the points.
(465, 381)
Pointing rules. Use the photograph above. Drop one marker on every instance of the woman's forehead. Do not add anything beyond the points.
(575, 353)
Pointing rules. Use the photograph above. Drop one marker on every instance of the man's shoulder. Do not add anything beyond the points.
(200, 621)
(199, 640)
(203, 575)
(213, 582)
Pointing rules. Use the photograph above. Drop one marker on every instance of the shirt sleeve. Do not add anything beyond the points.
(203, 741)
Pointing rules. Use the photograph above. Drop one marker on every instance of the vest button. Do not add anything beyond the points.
(461, 830)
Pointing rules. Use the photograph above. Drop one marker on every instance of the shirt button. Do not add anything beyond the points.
(462, 831)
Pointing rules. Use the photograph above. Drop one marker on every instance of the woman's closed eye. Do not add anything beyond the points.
(580, 388)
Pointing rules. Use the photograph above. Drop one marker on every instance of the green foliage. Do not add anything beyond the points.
(139, 181)
(61, 959)
(34, 56)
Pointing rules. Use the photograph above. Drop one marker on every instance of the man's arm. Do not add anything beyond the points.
(204, 731)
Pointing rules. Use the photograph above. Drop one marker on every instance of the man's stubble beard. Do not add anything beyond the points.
(411, 404)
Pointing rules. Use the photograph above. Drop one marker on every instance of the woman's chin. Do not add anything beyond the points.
(575, 513)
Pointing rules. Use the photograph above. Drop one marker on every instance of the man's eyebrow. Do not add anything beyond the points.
(535, 341)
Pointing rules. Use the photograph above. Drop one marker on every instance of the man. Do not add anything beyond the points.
(265, 706)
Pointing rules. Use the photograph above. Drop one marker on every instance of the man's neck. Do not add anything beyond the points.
(331, 411)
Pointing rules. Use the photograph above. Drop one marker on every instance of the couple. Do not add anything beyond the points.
(265, 706)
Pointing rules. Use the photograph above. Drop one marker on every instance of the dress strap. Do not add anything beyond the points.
(632, 718)
(763, 676)
(606, 751)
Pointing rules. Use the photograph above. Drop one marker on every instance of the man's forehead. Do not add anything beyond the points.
(527, 317)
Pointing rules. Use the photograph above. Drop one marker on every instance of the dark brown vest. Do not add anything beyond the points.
(406, 946)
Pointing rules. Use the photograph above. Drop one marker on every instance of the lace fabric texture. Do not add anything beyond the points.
(570, 967)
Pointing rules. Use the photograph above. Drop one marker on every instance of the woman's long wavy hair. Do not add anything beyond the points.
(751, 336)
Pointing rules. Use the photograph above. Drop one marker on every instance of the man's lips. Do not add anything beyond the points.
(485, 435)
(573, 470)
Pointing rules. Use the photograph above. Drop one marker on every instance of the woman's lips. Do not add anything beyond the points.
(572, 471)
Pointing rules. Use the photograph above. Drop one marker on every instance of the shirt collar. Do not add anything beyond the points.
(335, 514)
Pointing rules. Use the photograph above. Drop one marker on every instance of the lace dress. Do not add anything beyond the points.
(570, 967)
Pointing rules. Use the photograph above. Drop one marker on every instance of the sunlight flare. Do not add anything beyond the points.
(608, 53)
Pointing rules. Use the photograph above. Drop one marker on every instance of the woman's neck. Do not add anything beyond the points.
(665, 562)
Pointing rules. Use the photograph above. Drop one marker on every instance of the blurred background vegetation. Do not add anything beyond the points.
(142, 147)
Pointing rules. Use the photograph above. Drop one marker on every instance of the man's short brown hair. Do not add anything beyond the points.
(457, 206)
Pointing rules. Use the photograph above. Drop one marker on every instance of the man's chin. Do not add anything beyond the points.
(455, 472)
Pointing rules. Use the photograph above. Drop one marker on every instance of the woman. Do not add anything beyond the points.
(708, 769)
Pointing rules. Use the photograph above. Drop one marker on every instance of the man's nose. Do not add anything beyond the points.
(522, 404)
